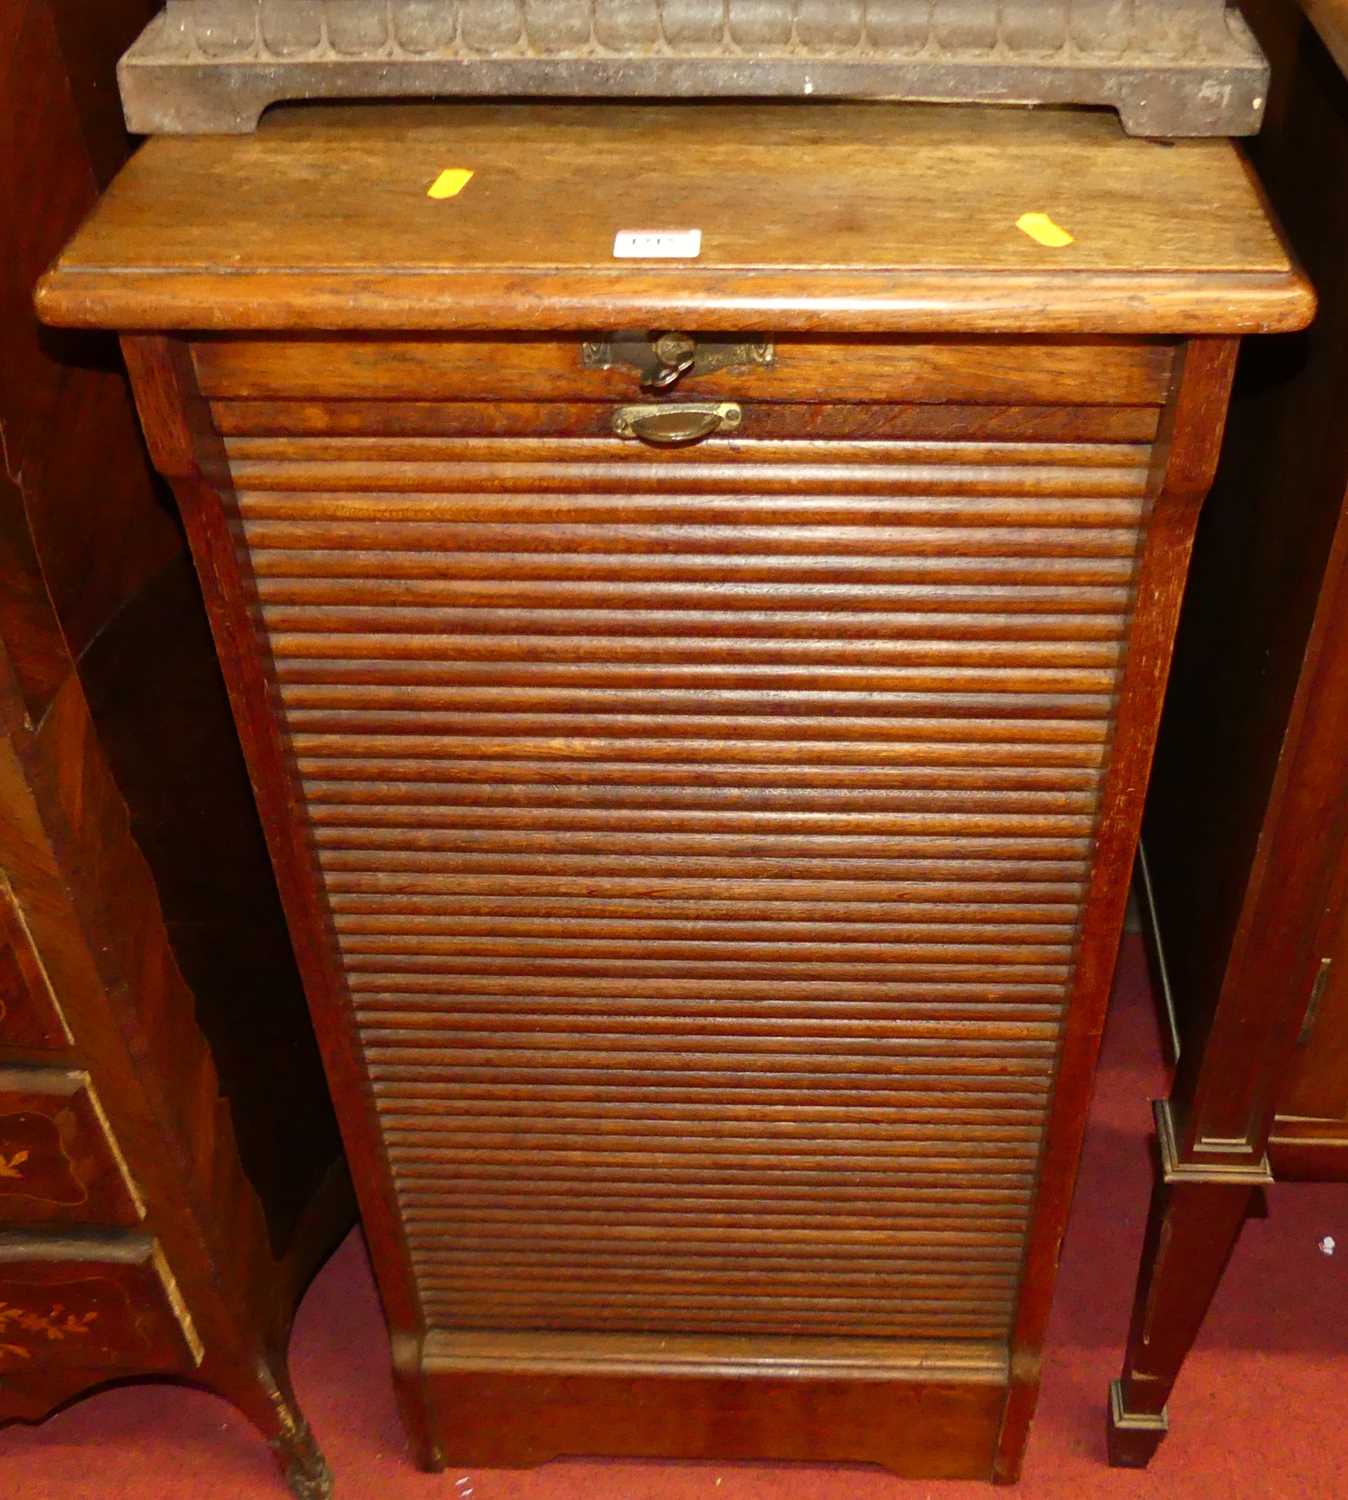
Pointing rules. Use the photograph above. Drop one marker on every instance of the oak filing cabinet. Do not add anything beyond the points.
(700, 709)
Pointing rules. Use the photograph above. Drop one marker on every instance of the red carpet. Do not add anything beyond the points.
(1262, 1409)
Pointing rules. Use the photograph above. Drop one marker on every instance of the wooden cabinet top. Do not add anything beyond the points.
(865, 217)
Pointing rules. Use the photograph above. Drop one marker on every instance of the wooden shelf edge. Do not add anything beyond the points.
(875, 301)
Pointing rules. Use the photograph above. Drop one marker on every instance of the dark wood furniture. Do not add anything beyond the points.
(1246, 820)
(170, 1170)
(705, 831)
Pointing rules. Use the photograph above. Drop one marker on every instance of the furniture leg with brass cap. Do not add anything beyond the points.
(1196, 1216)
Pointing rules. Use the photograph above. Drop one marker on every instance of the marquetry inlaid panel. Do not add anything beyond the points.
(59, 1162)
(88, 1303)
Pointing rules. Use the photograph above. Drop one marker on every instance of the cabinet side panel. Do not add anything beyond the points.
(1184, 461)
(187, 451)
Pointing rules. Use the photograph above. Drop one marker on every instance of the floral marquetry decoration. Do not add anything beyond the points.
(53, 1325)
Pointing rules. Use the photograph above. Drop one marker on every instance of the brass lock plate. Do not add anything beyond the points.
(662, 359)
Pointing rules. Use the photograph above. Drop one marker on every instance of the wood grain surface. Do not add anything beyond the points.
(706, 863)
(535, 748)
(862, 217)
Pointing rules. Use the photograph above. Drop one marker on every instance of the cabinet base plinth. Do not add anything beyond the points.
(520, 1399)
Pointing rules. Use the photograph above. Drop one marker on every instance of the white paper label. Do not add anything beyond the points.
(658, 244)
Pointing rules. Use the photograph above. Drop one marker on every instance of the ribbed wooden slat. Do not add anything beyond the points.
(546, 1261)
(723, 1133)
(434, 575)
(424, 709)
(365, 944)
(562, 1206)
(780, 819)
(721, 1067)
(764, 843)
(326, 586)
(399, 865)
(775, 742)
(406, 970)
(466, 921)
(663, 1206)
(650, 1100)
(624, 476)
(839, 894)
(741, 451)
(890, 635)
(704, 835)
(505, 914)
(987, 1291)
(304, 680)
(420, 895)
(738, 1005)
(1086, 666)
(412, 1056)
(919, 1110)
(487, 1319)
(465, 1086)
(424, 1186)
(986, 1284)
(1010, 1091)
(999, 1244)
(668, 1208)
(524, 510)
(614, 797)
(750, 780)
(756, 1304)
(736, 548)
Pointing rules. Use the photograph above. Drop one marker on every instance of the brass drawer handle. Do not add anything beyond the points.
(686, 422)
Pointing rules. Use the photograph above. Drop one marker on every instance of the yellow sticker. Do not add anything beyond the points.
(1043, 231)
(450, 183)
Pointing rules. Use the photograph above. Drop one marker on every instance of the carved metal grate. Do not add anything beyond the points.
(1170, 67)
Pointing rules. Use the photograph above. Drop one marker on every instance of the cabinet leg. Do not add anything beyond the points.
(1196, 1216)
(273, 1410)
(410, 1389)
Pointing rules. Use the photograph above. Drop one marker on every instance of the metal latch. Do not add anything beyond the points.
(662, 359)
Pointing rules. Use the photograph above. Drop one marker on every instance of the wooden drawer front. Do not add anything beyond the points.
(89, 1304)
(1101, 372)
(58, 1161)
(29, 1014)
(705, 835)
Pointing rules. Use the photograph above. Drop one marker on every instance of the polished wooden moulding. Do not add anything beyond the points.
(706, 860)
